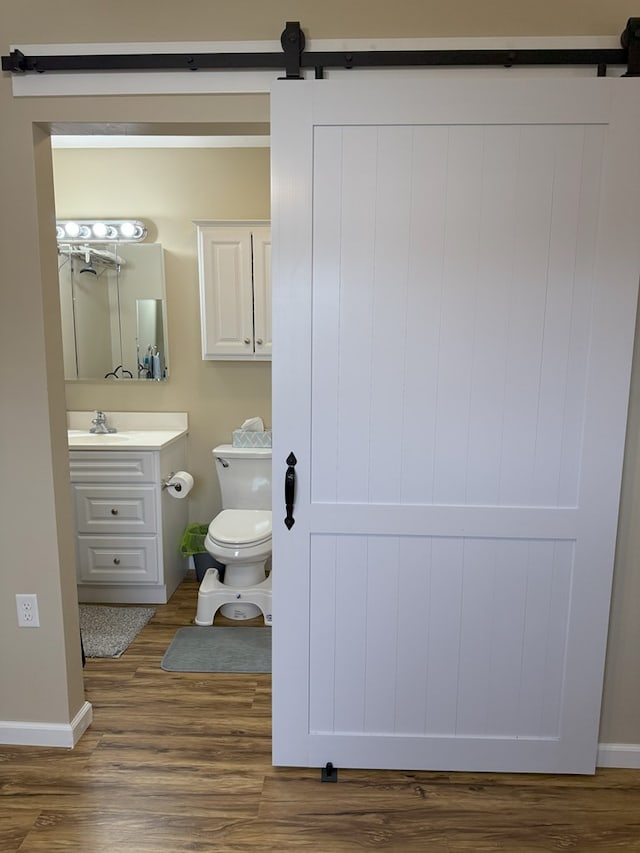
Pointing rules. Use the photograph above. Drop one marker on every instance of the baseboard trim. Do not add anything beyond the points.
(47, 734)
(134, 594)
(619, 755)
(622, 755)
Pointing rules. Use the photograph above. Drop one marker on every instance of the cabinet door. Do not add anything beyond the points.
(226, 302)
(262, 291)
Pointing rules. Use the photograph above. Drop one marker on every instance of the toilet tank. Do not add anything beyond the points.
(244, 474)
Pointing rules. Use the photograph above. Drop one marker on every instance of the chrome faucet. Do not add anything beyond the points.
(100, 424)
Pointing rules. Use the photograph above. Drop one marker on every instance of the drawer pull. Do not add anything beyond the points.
(114, 512)
(116, 561)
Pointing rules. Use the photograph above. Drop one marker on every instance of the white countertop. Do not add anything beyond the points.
(149, 439)
(134, 430)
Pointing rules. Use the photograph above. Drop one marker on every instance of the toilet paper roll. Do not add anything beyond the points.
(179, 484)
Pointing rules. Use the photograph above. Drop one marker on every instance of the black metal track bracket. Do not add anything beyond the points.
(329, 773)
(294, 59)
(630, 41)
(16, 62)
(293, 42)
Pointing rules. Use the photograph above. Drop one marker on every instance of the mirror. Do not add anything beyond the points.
(150, 327)
(113, 307)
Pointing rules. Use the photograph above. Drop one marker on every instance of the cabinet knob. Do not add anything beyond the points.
(116, 561)
(259, 341)
(247, 340)
(114, 511)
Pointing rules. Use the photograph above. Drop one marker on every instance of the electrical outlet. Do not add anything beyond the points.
(28, 616)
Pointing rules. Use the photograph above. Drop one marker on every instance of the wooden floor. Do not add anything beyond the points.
(177, 762)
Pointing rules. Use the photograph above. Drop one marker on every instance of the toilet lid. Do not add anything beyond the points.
(241, 526)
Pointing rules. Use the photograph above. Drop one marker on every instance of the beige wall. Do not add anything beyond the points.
(41, 677)
(195, 20)
(168, 189)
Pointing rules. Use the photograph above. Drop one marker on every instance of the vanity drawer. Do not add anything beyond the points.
(110, 466)
(117, 559)
(115, 509)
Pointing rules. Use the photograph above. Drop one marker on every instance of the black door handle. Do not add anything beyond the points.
(290, 490)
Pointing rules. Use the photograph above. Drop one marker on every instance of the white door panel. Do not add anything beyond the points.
(226, 291)
(480, 313)
(455, 274)
(439, 635)
(261, 244)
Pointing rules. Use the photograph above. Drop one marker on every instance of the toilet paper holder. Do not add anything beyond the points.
(165, 482)
(178, 484)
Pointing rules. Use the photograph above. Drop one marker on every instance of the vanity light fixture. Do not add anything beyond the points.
(99, 230)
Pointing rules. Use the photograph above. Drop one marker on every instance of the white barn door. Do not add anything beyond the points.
(455, 273)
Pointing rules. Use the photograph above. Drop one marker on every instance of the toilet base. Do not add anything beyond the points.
(213, 594)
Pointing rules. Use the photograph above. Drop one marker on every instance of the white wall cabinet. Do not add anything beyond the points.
(128, 528)
(234, 260)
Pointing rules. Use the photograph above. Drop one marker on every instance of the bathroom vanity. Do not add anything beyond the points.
(128, 524)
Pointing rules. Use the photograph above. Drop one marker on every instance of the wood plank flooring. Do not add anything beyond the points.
(182, 762)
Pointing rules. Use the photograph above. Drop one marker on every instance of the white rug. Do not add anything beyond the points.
(107, 631)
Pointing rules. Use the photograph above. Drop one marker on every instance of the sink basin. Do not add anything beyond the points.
(82, 436)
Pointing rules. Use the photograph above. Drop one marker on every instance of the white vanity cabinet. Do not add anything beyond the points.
(234, 260)
(128, 528)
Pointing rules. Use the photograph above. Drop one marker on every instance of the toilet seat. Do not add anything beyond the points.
(241, 528)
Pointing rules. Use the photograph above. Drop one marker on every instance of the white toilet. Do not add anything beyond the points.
(239, 537)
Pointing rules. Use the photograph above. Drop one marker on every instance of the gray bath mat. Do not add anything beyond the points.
(223, 649)
(107, 631)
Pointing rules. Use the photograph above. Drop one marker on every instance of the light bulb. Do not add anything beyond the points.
(127, 229)
(100, 230)
(72, 229)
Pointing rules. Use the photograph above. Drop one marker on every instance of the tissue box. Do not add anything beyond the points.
(251, 438)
